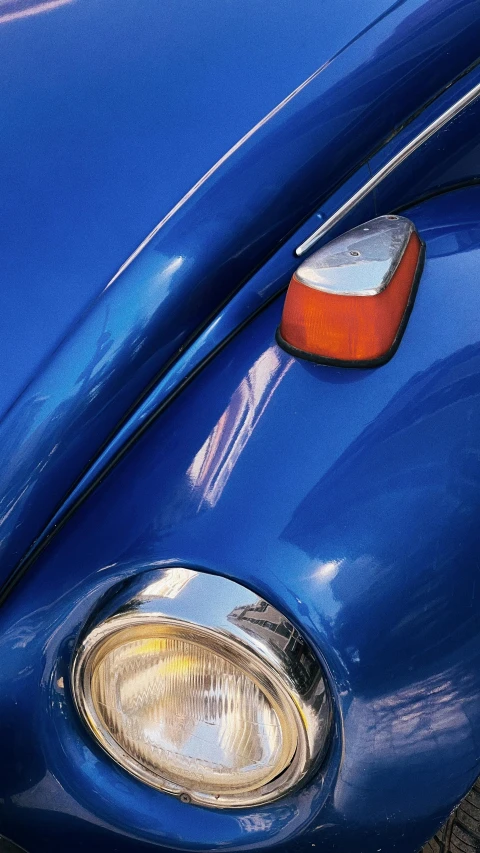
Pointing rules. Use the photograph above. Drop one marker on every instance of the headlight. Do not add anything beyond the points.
(200, 688)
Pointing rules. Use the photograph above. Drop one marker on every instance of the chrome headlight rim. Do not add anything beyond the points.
(258, 660)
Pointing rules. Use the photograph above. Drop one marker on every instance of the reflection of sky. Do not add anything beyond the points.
(213, 464)
(448, 240)
(12, 10)
(170, 585)
(218, 595)
(164, 277)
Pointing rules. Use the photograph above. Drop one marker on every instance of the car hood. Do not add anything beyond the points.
(111, 111)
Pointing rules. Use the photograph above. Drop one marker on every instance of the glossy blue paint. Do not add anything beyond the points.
(448, 160)
(213, 243)
(264, 285)
(110, 113)
(350, 500)
(451, 157)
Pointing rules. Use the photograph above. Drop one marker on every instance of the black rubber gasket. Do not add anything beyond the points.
(374, 362)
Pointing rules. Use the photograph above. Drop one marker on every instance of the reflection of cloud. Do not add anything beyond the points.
(12, 10)
(326, 572)
(170, 585)
(256, 822)
(216, 459)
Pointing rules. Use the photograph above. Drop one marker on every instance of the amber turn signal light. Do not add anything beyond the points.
(348, 303)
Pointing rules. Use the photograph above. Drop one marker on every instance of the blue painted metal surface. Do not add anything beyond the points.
(213, 242)
(110, 113)
(349, 499)
(264, 285)
(452, 157)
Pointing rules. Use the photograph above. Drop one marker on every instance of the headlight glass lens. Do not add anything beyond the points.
(189, 714)
(198, 687)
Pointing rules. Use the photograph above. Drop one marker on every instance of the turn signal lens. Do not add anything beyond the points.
(198, 687)
(348, 304)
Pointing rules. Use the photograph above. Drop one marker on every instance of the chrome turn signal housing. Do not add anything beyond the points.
(348, 304)
(200, 688)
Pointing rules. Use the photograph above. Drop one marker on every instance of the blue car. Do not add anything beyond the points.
(240, 426)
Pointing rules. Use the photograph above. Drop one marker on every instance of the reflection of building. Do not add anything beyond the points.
(268, 621)
(216, 459)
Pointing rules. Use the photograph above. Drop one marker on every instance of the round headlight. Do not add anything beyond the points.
(200, 688)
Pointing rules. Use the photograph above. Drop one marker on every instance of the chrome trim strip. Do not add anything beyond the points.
(389, 167)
